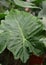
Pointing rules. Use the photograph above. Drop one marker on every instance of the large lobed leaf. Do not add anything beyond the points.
(42, 13)
(24, 34)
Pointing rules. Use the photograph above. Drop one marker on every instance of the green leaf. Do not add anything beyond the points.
(32, 0)
(25, 4)
(4, 3)
(2, 15)
(44, 41)
(24, 38)
(0, 64)
(44, 23)
(42, 13)
(3, 40)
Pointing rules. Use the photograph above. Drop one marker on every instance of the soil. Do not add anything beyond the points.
(6, 58)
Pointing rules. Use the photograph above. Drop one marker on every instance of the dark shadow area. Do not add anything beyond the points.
(6, 58)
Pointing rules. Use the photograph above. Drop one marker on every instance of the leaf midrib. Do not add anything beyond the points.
(24, 39)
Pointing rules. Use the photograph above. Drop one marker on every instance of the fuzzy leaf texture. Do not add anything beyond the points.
(24, 34)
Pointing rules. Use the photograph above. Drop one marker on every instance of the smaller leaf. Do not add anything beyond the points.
(43, 40)
(44, 23)
(4, 3)
(25, 4)
(42, 13)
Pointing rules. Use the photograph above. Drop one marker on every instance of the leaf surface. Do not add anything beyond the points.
(24, 38)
